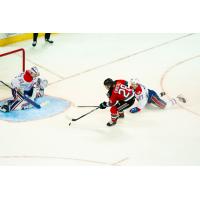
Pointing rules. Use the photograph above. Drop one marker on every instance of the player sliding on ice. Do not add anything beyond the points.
(26, 84)
(120, 98)
(146, 96)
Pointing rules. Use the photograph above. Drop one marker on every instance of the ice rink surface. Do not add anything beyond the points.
(76, 66)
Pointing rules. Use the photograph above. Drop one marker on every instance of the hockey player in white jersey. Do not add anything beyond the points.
(28, 84)
(146, 96)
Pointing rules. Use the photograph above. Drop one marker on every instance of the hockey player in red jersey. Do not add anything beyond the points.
(120, 98)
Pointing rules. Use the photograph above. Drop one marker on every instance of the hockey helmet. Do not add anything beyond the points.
(108, 83)
(134, 81)
(34, 71)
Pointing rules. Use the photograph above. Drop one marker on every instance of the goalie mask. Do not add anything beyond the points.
(34, 71)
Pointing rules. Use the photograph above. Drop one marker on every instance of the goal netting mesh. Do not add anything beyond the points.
(12, 62)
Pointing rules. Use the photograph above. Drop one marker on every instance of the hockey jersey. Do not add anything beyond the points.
(141, 94)
(24, 81)
(120, 92)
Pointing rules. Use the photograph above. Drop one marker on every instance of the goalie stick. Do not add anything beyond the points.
(24, 97)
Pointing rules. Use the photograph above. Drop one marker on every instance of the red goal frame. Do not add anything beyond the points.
(15, 51)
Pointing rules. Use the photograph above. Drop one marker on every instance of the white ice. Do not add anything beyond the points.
(76, 66)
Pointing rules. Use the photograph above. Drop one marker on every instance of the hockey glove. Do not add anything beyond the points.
(134, 110)
(103, 105)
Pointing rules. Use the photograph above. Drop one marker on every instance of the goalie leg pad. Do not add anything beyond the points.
(15, 104)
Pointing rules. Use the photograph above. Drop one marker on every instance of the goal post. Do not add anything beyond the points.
(12, 63)
(14, 52)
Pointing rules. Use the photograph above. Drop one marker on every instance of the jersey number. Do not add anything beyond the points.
(123, 90)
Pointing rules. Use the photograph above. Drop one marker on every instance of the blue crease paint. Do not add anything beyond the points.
(53, 106)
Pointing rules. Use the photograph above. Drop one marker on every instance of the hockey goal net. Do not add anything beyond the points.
(12, 63)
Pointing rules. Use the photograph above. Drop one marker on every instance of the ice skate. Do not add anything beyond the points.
(162, 94)
(181, 98)
(111, 123)
(121, 115)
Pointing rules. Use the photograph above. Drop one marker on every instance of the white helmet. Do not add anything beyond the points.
(134, 81)
(35, 70)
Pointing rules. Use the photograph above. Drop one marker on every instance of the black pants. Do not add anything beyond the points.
(46, 36)
(122, 105)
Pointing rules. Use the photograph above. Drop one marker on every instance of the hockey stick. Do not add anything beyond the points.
(161, 94)
(24, 97)
(87, 106)
(85, 114)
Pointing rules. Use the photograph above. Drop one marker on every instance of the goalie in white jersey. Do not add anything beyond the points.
(28, 84)
(146, 96)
